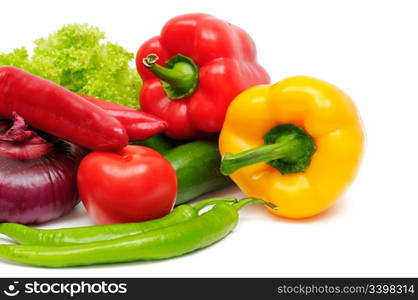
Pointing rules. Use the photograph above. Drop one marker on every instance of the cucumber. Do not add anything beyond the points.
(196, 164)
(197, 167)
(159, 143)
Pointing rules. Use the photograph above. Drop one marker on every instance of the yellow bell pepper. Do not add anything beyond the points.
(296, 144)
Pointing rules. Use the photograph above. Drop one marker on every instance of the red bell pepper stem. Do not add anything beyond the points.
(180, 76)
(138, 124)
(51, 108)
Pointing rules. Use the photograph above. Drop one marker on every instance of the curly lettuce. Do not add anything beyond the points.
(77, 57)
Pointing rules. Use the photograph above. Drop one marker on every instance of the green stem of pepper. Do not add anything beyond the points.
(246, 201)
(287, 148)
(179, 76)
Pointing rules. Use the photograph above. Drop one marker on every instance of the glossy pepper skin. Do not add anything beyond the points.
(225, 59)
(53, 109)
(138, 124)
(325, 113)
(89, 234)
(175, 240)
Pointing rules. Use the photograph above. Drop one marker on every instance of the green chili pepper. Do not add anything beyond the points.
(167, 242)
(88, 234)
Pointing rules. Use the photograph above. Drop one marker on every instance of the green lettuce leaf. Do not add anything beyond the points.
(78, 58)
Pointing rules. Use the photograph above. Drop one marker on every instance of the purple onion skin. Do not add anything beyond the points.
(40, 189)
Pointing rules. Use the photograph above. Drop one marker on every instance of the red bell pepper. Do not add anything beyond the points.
(138, 124)
(207, 62)
(58, 111)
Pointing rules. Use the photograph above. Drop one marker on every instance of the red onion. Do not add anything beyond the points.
(37, 174)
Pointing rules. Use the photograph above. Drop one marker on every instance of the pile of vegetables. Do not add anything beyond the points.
(70, 128)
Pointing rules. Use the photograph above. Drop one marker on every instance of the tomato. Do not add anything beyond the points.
(136, 184)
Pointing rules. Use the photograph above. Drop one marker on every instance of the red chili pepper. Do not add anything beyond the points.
(58, 111)
(138, 124)
(207, 63)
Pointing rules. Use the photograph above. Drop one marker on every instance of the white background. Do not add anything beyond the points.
(367, 48)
